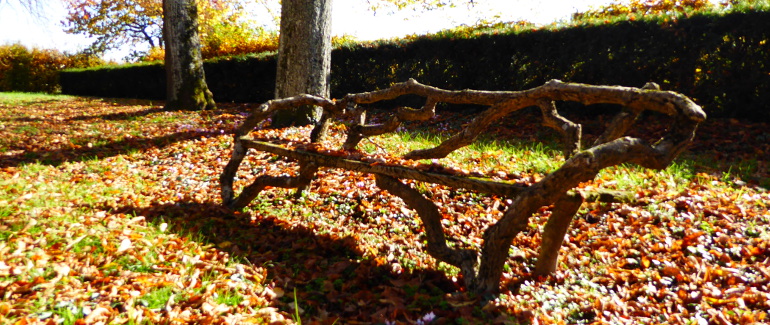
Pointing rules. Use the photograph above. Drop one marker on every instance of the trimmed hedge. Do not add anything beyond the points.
(721, 61)
(240, 79)
(145, 81)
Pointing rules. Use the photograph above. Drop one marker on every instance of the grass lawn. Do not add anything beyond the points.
(110, 212)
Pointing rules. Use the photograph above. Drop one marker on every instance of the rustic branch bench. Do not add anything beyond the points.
(481, 270)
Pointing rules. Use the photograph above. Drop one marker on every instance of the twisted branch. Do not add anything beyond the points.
(482, 271)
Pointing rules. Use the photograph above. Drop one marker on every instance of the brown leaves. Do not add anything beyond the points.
(136, 218)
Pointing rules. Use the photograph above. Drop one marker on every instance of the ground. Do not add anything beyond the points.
(111, 213)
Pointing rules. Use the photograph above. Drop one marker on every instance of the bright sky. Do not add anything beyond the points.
(350, 17)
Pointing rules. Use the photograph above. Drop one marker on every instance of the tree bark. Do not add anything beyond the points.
(304, 58)
(185, 79)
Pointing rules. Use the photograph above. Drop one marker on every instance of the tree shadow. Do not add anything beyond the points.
(56, 157)
(23, 119)
(122, 116)
(335, 281)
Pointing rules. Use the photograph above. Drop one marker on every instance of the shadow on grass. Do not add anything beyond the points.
(23, 119)
(333, 278)
(56, 157)
(122, 116)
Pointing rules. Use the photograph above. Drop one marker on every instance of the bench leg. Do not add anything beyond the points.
(465, 259)
(226, 179)
(306, 173)
(554, 231)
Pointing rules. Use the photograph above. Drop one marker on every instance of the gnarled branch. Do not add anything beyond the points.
(482, 271)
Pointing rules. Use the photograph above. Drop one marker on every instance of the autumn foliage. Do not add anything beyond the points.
(635, 8)
(224, 27)
(37, 70)
(223, 42)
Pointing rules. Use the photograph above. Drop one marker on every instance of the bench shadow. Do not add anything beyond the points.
(334, 280)
(57, 157)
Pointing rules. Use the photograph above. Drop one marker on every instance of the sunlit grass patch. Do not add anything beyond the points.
(81, 201)
(23, 99)
(228, 297)
(158, 297)
(633, 177)
(485, 156)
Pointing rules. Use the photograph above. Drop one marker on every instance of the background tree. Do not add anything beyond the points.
(117, 23)
(185, 79)
(304, 53)
(37, 70)
(304, 57)
(377, 5)
(33, 6)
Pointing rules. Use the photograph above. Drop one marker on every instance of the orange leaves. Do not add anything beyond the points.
(690, 239)
(117, 216)
(225, 41)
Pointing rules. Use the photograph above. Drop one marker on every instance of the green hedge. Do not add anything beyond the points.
(240, 79)
(146, 81)
(719, 60)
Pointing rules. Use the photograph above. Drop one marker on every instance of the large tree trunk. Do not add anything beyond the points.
(185, 80)
(304, 57)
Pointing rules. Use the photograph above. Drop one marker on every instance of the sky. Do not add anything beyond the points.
(350, 17)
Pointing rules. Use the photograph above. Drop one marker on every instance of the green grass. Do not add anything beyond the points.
(228, 297)
(489, 156)
(24, 99)
(297, 319)
(64, 211)
(484, 155)
(27, 130)
(157, 298)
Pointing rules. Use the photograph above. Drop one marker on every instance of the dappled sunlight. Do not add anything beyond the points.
(132, 228)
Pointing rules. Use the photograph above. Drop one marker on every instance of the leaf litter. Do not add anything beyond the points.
(111, 214)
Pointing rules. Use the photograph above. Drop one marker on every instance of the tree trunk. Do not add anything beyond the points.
(185, 80)
(304, 58)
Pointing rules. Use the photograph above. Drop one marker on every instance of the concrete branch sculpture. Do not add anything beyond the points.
(482, 270)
